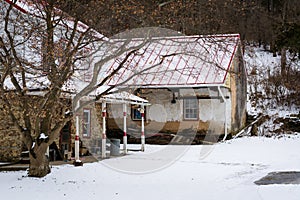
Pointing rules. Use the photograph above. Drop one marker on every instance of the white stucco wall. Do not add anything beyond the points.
(162, 110)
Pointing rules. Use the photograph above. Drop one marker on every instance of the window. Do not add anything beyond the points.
(136, 113)
(190, 108)
(86, 131)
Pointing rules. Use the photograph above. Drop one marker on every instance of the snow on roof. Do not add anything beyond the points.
(115, 96)
(35, 10)
(177, 61)
(36, 78)
(124, 96)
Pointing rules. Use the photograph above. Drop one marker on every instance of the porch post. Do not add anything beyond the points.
(143, 128)
(103, 130)
(125, 127)
(77, 161)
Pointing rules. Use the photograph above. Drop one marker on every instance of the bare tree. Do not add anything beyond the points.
(40, 49)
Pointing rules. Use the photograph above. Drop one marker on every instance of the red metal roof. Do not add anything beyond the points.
(185, 61)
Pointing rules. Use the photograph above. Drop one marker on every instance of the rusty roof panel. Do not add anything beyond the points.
(177, 61)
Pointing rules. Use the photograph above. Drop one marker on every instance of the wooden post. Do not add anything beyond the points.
(103, 155)
(77, 139)
(125, 127)
(77, 161)
(143, 128)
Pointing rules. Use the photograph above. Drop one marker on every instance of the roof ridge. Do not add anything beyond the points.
(232, 35)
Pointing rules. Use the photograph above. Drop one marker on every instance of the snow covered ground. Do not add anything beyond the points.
(222, 171)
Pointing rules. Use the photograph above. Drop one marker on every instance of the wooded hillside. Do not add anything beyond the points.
(267, 22)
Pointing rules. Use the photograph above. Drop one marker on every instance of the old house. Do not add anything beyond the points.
(193, 83)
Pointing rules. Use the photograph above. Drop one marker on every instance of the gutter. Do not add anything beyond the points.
(157, 86)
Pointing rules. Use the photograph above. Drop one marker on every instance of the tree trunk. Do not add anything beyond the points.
(283, 62)
(39, 162)
(273, 49)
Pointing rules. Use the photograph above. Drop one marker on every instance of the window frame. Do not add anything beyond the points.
(88, 127)
(133, 109)
(185, 100)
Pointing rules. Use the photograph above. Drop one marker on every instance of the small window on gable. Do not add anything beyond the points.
(190, 109)
(86, 131)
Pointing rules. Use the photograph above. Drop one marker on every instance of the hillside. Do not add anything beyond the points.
(271, 95)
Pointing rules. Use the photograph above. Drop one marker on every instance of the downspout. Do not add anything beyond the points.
(225, 116)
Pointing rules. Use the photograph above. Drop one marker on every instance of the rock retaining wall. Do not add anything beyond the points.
(10, 140)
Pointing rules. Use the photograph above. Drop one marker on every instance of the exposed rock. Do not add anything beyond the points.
(280, 178)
